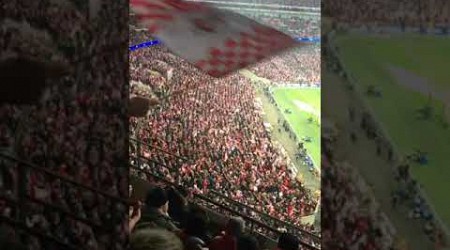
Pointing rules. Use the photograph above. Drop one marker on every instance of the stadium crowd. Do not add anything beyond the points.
(222, 135)
(405, 13)
(54, 133)
(300, 65)
(297, 26)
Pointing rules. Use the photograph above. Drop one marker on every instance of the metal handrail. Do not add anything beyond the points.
(287, 224)
(284, 223)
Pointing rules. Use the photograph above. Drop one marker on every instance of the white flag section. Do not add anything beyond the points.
(216, 41)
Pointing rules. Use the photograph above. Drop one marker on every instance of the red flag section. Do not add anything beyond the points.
(216, 41)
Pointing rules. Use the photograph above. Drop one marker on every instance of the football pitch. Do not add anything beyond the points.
(407, 84)
(304, 118)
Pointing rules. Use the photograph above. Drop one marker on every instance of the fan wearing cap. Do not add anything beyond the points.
(156, 211)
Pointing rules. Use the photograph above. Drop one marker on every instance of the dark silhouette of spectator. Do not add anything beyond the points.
(155, 214)
(177, 205)
(196, 226)
(248, 242)
(288, 241)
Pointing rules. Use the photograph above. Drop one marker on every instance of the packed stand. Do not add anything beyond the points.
(65, 133)
(404, 12)
(298, 66)
(296, 26)
(215, 124)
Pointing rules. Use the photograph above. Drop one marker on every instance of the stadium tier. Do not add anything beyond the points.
(208, 136)
(406, 13)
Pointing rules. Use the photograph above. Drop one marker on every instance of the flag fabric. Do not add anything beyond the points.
(216, 41)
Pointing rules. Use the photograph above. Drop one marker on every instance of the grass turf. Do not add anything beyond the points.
(366, 58)
(298, 119)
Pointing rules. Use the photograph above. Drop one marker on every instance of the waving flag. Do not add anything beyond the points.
(216, 41)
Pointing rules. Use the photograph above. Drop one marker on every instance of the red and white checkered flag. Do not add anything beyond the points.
(216, 41)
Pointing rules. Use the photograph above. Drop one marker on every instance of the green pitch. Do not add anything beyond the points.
(368, 59)
(304, 104)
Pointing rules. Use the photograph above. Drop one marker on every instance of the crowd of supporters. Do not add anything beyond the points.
(297, 26)
(405, 12)
(54, 133)
(300, 65)
(215, 124)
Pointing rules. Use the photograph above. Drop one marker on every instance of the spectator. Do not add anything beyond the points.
(177, 205)
(154, 239)
(248, 242)
(288, 241)
(157, 205)
(197, 226)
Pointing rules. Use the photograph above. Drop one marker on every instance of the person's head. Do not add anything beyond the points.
(154, 239)
(288, 241)
(248, 243)
(235, 226)
(157, 198)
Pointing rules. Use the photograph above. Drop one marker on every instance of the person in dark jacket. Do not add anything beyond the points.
(248, 242)
(155, 213)
(288, 241)
(197, 226)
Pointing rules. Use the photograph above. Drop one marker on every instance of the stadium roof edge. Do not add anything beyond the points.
(312, 9)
